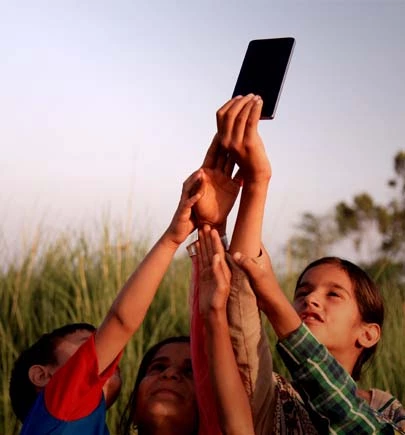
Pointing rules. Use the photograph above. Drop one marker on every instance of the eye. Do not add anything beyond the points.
(300, 293)
(157, 367)
(334, 294)
(188, 372)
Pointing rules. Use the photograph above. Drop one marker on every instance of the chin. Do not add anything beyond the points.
(164, 409)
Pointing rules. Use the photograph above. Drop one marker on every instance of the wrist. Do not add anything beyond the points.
(256, 183)
(215, 318)
(169, 241)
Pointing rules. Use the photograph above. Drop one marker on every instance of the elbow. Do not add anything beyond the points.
(124, 320)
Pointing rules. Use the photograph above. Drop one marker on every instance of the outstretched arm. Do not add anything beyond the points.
(324, 384)
(219, 187)
(237, 123)
(232, 402)
(133, 301)
(272, 300)
(237, 126)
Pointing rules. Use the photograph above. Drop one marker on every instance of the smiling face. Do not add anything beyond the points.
(166, 393)
(326, 302)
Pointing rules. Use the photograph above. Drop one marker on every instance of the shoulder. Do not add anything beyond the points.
(388, 406)
(75, 389)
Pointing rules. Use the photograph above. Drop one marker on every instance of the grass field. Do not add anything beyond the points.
(73, 279)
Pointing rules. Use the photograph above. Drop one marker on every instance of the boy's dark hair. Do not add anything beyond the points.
(369, 301)
(127, 416)
(22, 392)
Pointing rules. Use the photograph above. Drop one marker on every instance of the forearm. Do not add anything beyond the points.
(251, 347)
(232, 401)
(130, 307)
(247, 233)
(136, 296)
(278, 309)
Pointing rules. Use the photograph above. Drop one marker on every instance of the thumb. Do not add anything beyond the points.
(238, 178)
(247, 264)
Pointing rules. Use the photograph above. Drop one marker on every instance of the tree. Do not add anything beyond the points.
(315, 235)
(361, 218)
(389, 220)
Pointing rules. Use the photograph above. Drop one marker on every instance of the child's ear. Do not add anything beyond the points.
(370, 335)
(40, 375)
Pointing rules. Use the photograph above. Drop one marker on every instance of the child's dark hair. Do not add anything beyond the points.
(128, 414)
(368, 297)
(22, 392)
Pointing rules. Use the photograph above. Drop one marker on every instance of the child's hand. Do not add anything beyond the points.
(237, 123)
(271, 299)
(182, 223)
(262, 278)
(215, 276)
(219, 188)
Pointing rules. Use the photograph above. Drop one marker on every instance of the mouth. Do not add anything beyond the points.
(168, 392)
(310, 316)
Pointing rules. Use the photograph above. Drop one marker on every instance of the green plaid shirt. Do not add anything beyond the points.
(328, 390)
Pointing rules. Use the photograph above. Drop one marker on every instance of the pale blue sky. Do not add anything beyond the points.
(103, 103)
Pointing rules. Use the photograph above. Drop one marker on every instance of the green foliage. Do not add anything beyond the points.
(389, 219)
(314, 236)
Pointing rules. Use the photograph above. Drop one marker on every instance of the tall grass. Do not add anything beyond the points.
(75, 278)
(72, 279)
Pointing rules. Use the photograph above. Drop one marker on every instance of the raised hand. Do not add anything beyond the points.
(261, 277)
(215, 276)
(270, 297)
(183, 222)
(237, 122)
(219, 188)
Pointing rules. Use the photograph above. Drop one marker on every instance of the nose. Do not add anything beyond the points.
(312, 299)
(170, 373)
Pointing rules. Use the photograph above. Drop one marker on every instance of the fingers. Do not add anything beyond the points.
(215, 258)
(238, 118)
(217, 157)
(248, 265)
(221, 273)
(216, 244)
(229, 166)
(205, 245)
(210, 245)
(238, 177)
(193, 186)
(226, 116)
(253, 119)
(211, 156)
(244, 122)
(199, 256)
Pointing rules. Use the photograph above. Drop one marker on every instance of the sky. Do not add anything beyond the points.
(106, 107)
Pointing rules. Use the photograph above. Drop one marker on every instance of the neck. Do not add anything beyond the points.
(346, 360)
